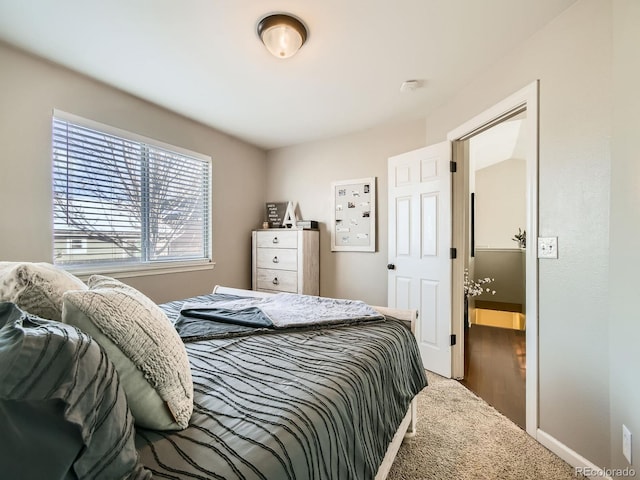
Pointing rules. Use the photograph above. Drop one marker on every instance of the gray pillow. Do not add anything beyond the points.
(142, 343)
(36, 287)
(72, 419)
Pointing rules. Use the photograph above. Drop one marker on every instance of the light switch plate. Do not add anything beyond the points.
(547, 247)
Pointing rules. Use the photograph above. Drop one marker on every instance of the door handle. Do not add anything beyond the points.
(391, 266)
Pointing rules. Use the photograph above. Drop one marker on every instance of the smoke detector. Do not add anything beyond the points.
(410, 85)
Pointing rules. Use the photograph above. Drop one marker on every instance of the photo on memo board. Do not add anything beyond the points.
(353, 227)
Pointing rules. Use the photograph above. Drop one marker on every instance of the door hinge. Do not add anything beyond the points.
(453, 167)
(453, 339)
(453, 253)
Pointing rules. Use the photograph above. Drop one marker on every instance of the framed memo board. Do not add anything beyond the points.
(353, 227)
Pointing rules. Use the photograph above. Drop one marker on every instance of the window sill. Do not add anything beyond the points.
(127, 271)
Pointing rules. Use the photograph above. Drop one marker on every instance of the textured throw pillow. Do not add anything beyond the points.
(139, 339)
(36, 287)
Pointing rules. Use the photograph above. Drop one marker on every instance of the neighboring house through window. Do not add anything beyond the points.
(125, 202)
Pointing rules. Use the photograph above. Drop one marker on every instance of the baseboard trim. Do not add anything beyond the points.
(570, 456)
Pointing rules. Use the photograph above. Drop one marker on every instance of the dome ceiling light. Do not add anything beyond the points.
(282, 34)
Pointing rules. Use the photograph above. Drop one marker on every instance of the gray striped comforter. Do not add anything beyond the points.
(302, 404)
(63, 413)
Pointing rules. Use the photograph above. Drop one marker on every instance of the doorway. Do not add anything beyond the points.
(495, 321)
(522, 105)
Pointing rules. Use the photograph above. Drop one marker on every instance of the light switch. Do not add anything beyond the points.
(547, 247)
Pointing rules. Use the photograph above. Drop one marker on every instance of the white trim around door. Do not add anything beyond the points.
(524, 99)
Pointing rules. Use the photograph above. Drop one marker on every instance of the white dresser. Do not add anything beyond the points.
(286, 260)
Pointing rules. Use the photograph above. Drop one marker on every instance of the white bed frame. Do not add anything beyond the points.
(407, 427)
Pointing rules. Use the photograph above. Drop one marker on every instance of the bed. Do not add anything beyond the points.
(312, 402)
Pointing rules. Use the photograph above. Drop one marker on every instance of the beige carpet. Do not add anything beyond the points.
(461, 437)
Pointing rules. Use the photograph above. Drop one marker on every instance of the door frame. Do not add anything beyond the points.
(526, 98)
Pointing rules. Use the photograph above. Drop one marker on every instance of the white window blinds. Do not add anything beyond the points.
(120, 200)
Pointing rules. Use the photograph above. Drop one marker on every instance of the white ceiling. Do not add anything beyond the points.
(203, 58)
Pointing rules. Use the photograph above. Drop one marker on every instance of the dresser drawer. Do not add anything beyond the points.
(279, 280)
(277, 258)
(277, 239)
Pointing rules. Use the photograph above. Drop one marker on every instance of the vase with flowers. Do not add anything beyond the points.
(473, 288)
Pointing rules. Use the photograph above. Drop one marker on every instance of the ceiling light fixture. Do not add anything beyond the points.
(282, 34)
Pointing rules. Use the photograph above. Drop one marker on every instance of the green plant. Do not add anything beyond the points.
(521, 238)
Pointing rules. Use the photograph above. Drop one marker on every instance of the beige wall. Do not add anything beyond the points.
(304, 174)
(624, 327)
(501, 203)
(572, 59)
(31, 88)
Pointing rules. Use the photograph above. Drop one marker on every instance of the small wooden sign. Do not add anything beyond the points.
(275, 212)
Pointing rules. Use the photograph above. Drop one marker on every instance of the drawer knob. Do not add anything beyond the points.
(276, 281)
(275, 259)
(275, 240)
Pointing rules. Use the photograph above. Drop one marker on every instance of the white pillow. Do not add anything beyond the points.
(36, 287)
(142, 343)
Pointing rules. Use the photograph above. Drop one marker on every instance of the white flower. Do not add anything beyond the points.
(473, 288)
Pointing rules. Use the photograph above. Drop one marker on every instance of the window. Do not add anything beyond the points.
(121, 201)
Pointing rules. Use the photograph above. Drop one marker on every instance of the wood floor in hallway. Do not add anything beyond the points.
(495, 368)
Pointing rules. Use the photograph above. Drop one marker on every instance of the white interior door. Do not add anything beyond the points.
(419, 247)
